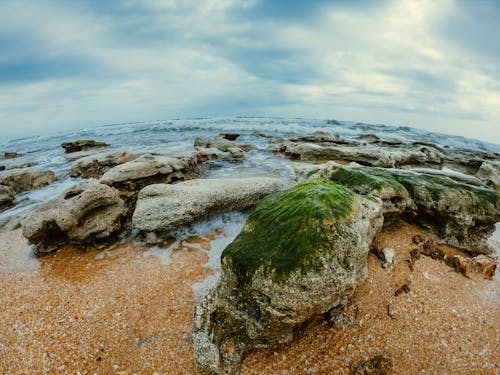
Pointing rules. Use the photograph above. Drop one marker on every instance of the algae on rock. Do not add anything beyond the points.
(301, 253)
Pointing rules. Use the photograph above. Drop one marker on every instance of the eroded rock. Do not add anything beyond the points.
(85, 212)
(7, 197)
(301, 253)
(95, 166)
(489, 173)
(21, 180)
(162, 207)
(462, 215)
(82, 145)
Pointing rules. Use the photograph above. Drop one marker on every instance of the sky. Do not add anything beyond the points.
(432, 65)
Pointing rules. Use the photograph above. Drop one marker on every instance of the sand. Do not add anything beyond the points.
(117, 311)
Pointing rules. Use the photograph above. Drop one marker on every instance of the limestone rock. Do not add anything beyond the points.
(82, 145)
(162, 207)
(462, 215)
(24, 180)
(85, 212)
(7, 196)
(11, 155)
(371, 155)
(301, 253)
(489, 173)
(149, 169)
(95, 166)
(222, 144)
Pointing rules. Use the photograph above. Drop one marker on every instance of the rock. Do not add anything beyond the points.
(162, 207)
(462, 215)
(321, 138)
(2, 167)
(96, 165)
(149, 169)
(454, 175)
(230, 136)
(371, 155)
(11, 155)
(24, 180)
(82, 145)
(84, 213)
(301, 253)
(378, 365)
(489, 173)
(7, 197)
(221, 144)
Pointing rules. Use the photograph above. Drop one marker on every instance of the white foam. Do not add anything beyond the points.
(162, 254)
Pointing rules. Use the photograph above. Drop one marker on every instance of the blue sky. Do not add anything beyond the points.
(429, 64)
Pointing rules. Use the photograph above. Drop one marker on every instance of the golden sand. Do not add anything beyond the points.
(118, 311)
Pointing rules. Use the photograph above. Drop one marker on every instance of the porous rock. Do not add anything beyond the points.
(21, 180)
(83, 213)
(489, 173)
(94, 166)
(149, 169)
(82, 145)
(221, 143)
(162, 207)
(301, 253)
(462, 215)
(7, 196)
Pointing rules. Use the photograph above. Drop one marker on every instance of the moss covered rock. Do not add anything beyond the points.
(301, 253)
(462, 215)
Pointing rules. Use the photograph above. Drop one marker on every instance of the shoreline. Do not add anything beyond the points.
(119, 311)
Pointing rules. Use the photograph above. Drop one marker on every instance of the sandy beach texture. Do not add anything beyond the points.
(118, 311)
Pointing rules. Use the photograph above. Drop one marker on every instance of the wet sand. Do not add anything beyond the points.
(117, 311)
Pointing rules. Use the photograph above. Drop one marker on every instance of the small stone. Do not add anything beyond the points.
(378, 365)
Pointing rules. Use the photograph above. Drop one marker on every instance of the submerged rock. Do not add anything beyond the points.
(82, 145)
(86, 212)
(162, 207)
(95, 166)
(301, 253)
(11, 155)
(222, 144)
(21, 180)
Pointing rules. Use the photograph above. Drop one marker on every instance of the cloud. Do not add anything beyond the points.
(89, 62)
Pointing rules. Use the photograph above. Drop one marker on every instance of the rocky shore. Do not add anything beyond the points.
(376, 254)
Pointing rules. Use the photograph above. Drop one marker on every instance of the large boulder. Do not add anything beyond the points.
(162, 207)
(21, 180)
(301, 253)
(7, 197)
(94, 166)
(82, 145)
(84, 213)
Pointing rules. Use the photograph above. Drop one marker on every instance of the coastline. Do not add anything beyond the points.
(116, 310)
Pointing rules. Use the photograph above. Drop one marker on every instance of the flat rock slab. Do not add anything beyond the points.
(82, 145)
(21, 180)
(163, 207)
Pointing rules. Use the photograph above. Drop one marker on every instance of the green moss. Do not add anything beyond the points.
(288, 229)
(365, 181)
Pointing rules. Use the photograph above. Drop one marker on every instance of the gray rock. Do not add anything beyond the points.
(86, 212)
(489, 173)
(301, 253)
(162, 207)
(82, 145)
(7, 196)
(95, 166)
(462, 215)
(24, 180)
(222, 144)
(149, 169)
(372, 155)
